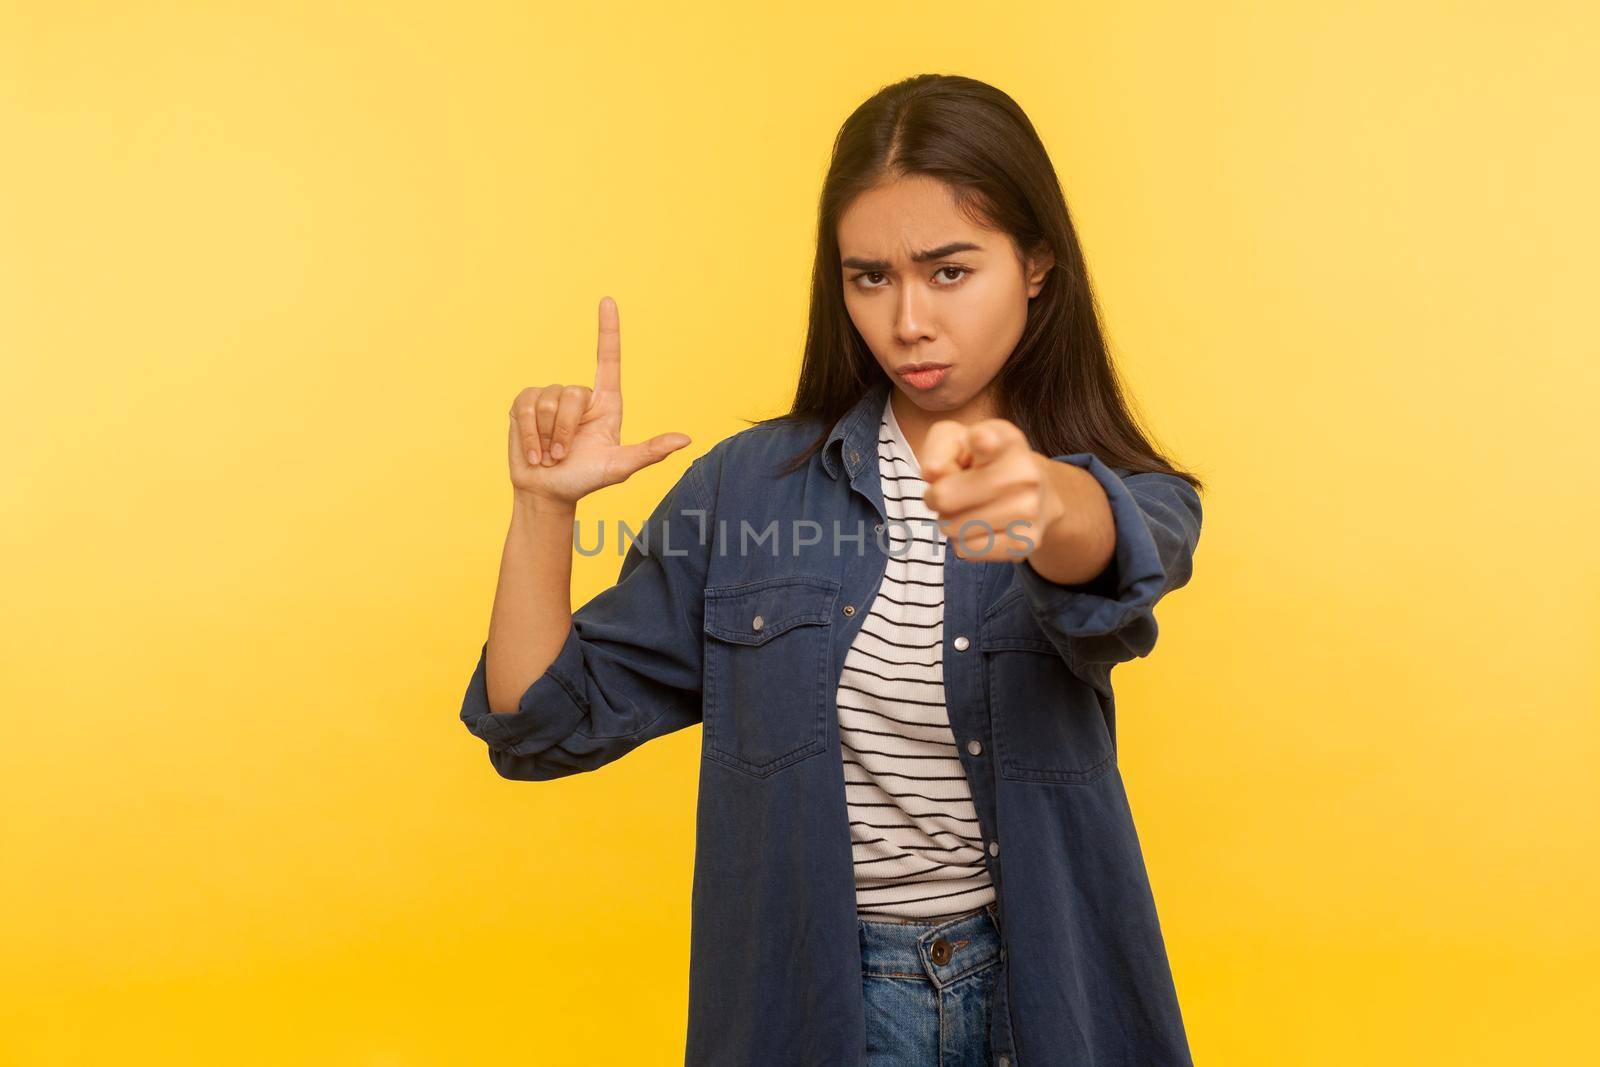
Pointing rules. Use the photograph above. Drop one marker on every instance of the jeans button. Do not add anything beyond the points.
(994, 848)
(940, 952)
(961, 643)
(974, 746)
(849, 610)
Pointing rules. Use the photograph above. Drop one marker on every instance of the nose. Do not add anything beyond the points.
(910, 320)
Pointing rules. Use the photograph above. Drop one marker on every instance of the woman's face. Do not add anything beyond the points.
(924, 285)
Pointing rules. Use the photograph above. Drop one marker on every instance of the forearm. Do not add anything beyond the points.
(532, 611)
(1080, 539)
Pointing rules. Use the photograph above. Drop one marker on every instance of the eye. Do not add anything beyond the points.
(960, 273)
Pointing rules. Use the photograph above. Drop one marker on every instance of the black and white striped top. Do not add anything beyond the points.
(913, 829)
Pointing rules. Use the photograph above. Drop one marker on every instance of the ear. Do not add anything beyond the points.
(1039, 265)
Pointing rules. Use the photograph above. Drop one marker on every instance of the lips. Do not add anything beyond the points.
(923, 375)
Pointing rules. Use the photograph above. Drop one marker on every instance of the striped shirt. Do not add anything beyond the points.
(913, 829)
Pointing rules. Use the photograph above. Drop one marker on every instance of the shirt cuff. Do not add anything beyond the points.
(548, 711)
(1131, 583)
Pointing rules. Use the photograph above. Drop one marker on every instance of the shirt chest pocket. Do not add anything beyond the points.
(1047, 723)
(767, 651)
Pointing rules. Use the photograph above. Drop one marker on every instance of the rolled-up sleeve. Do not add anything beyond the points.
(630, 668)
(1111, 618)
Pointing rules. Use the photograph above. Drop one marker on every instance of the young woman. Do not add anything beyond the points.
(895, 610)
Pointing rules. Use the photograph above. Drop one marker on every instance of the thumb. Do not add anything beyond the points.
(636, 457)
(985, 443)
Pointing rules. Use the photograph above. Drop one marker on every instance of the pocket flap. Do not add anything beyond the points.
(1010, 624)
(752, 613)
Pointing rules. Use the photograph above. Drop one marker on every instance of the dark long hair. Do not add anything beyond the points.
(1059, 384)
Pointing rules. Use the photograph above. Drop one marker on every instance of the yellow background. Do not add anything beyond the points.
(271, 274)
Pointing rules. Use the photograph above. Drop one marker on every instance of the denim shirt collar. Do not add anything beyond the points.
(854, 438)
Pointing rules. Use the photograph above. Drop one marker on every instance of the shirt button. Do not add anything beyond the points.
(961, 643)
(849, 610)
(994, 848)
(757, 622)
(974, 747)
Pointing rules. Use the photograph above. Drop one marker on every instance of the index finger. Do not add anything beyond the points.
(944, 449)
(608, 360)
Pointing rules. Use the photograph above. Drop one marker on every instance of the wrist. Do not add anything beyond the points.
(1054, 512)
(535, 506)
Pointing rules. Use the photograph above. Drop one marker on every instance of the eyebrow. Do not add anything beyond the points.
(857, 263)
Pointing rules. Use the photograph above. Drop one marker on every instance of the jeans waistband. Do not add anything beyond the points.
(941, 951)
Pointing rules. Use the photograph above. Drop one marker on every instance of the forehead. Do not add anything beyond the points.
(905, 215)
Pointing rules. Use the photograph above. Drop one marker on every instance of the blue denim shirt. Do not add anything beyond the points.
(751, 644)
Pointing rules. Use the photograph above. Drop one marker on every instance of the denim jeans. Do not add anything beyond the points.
(928, 987)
